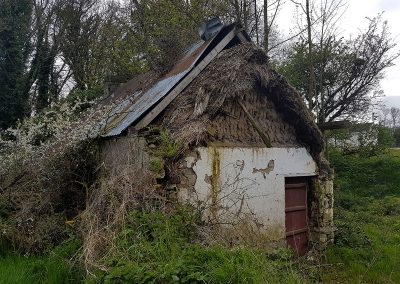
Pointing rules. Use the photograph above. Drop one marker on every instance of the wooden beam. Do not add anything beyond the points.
(242, 38)
(148, 118)
(264, 136)
(334, 125)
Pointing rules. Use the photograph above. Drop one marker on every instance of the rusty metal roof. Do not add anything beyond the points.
(140, 102)
(127, 112)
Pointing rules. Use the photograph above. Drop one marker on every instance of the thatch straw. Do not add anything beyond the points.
(237, 72)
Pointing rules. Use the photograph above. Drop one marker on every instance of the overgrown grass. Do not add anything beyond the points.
(18, 269)
(156, 247)
(367, 215)
(53, 267)
(159, 248)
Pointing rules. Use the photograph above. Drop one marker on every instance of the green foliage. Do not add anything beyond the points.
(167, 148)
(347, 72)
(54, 267)
(366, 177)
(166, 28)
(349, 232)
(18, 269)
(396, 137)
(14, 52)
(83, 99)
(366, 140)
(157, 165)
(159, 248)
(68, 248)
(367, 216)
(164, 148)
(385, 137)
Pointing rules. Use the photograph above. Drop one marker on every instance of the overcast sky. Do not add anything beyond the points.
(355, 18)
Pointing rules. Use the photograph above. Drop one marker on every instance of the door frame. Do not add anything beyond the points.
(298, 182)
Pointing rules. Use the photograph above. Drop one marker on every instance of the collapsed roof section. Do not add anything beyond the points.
(146, 102)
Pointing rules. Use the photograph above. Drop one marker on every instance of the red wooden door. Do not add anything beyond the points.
(296, 214)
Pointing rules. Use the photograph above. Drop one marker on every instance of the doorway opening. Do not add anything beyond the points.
(296, 214)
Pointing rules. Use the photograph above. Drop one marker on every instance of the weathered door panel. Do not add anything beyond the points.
(296, 214)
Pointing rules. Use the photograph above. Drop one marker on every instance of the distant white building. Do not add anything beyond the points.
(358, 135)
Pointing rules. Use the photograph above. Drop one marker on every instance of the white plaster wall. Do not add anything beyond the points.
(251, 183)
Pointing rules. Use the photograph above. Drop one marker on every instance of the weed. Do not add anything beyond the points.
(157, 166)
(54, 267)
(160, 248)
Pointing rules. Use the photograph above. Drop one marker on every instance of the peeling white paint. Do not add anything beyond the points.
(251, 183)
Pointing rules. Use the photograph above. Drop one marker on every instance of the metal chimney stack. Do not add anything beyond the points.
(210, 28)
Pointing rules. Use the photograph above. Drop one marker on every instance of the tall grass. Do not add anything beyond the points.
(54, 267)
(367, 214)
(19, 269)
(159, 248)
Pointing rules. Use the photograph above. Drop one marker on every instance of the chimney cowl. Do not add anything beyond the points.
(210, 28)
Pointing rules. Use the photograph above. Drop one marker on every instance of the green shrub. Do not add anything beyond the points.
(388, 206)
(396, 137)
(166, 147)
(367, 217)
(157, 166)
(160, 248)
(89, 95)
(350, 234)
(19, 269)
(385, 137)
(163, 149)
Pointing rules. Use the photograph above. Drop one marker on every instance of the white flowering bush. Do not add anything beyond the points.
(46, 164)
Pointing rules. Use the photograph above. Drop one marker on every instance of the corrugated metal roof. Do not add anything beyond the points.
(127, 113)
(144, 99)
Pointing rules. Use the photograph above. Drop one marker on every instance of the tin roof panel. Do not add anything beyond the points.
(126, 114)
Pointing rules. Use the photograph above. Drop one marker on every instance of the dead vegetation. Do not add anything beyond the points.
(235, 76)
(38, 199)
(111, 199)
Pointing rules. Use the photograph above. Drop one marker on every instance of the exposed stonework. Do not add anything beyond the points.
(124, 154)
(322, 226)
(128, 153)
(267, 170)
(187, 178)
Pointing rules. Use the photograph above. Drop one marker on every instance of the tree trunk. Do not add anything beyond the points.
(312, 83)
(257, 22)
(266, 26)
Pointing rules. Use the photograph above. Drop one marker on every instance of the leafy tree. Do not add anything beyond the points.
(80, 22)
(349, 71)
(164, 28)
(395, 115)
(46, 78)
(396, 136)
(15, 19)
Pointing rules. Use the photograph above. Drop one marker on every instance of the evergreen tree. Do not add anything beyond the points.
(15, 17)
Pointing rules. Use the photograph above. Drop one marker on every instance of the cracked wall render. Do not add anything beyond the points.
(236, 184)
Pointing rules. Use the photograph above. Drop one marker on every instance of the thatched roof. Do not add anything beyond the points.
(148, 100)
(230, 77)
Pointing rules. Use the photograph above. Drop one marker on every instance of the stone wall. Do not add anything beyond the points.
(321, 225)
(240, 186)
(124, 154)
